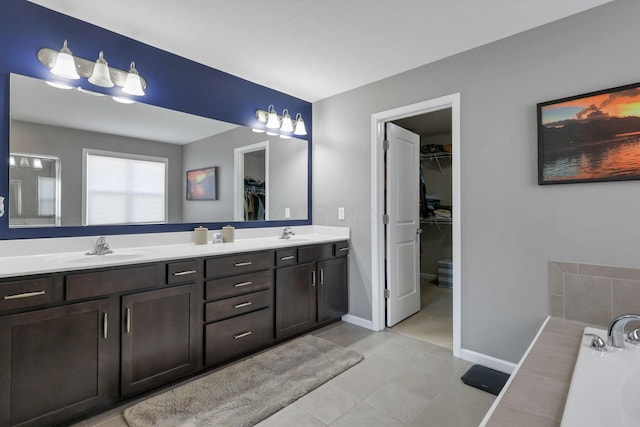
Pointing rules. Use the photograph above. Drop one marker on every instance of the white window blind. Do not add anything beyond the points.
(46, 196)
(124, 189)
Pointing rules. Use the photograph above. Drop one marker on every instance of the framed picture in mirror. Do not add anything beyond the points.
(201, 184)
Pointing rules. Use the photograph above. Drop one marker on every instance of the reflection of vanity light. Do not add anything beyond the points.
(256, 130)
(122, 100)
(37, 164)
(24, 163)
(271, 133)
(12, 161)
(285, 136)
(89, 92)
(59, 85)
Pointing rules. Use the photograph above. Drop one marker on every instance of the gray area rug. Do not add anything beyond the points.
(249, 391)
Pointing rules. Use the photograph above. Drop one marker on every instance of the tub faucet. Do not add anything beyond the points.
(102, 247)
(287, 233)
(615, 332)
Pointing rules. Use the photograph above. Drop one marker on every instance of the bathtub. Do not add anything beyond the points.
(605, 387)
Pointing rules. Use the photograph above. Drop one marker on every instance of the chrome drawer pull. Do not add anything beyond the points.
(322, 276)
(343, 249)
(105, 325)
(244, 304)
(285, 258)
(128, 320)
(313, 278)
(239, 285)
(245, 334)
(242, 264)
(184, 273)
(25, 295)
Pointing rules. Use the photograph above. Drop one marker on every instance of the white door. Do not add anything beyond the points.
(403, 228)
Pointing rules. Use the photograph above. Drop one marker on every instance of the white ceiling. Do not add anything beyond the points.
(313, 49)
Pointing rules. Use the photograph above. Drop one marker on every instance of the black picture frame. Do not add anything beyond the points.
(202, 184)
(591, 137)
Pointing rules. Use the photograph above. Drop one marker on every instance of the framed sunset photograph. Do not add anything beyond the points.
(201, 184)
(590, 137)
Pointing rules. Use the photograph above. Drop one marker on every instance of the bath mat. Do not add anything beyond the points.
(247, 392)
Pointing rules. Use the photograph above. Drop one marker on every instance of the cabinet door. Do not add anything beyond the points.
(158, 337)
(333, 299)
(56, 363)
(295, 299)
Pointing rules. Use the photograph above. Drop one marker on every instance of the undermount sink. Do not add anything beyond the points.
(295, 238)
(605, 386)
(98, 259)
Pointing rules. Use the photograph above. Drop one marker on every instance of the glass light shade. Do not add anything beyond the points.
(12, 161)
(37, 164)
(300, 128)
(133, 84)
(287, 125)
(100, 75)
(262, 116)
(272, 119)
(65, 66)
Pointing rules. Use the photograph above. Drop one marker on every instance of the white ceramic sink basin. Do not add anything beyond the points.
(605, 387)
(118, 256)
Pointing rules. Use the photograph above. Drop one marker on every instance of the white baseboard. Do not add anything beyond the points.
(358, 321)
(488, 361)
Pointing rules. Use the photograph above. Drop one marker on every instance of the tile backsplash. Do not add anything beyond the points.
(593, 293)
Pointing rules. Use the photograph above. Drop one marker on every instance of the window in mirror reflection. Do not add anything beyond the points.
(34, 189)
(123, 188)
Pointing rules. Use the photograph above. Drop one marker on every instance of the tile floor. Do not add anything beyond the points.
(434, 321)
(403, 381)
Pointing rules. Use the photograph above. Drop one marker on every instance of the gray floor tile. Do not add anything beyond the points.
(328, 402)
(418, 382)
(398, 402)
(292, 415)
(114, 422)
(358, 382)
(364, 415)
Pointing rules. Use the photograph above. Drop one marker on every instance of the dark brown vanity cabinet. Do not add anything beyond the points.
(238, 305)
(57, 363)
(313, 290)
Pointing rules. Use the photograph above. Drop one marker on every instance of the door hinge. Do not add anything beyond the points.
(385, 145)
(387, 294)
(385, 219)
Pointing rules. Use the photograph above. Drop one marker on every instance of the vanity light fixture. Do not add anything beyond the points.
(275, 125)
(100, 75)
(12, 161)
(133, 84)
(63, 64)
(59, 85)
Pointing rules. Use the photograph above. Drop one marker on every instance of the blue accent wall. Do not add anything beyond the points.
(25, 28)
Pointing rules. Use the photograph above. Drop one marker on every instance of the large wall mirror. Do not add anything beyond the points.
(80, 158)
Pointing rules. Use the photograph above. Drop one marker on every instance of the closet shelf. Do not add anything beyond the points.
(435, 157)
(434, 220)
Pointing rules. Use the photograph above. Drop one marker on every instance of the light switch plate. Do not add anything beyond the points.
(341, 213)
(287, 213)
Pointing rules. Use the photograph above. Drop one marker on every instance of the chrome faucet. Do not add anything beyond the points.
(615, 332)
(287, 233)
(102, 247)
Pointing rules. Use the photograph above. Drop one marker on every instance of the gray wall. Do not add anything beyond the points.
(511, 227)
(68, 144)
(288, 158)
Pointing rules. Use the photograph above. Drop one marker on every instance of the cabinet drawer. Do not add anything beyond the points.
(341, 249)
(240, 284)
(238, 264)
(181, 272)
(242, 304)
(25, 293)
(315, 253)
(239, 335)
(101, 283)
(286, 257)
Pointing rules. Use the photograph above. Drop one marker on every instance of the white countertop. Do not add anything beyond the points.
(125, 254)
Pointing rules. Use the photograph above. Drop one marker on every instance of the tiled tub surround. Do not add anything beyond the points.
(536, 393)
(34, 256)
(593, 294)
